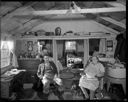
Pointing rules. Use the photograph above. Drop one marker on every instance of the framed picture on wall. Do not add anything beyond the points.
(109, 45)
(30, 45)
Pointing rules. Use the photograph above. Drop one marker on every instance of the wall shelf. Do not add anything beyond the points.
(67, 37)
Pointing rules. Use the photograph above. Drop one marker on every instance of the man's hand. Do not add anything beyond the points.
(56, 76)
(40, 76)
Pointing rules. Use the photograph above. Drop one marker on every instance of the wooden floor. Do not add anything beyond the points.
(115, 93)
(30, 94)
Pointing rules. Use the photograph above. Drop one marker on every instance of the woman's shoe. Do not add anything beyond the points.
(45, 96)
(85, 98)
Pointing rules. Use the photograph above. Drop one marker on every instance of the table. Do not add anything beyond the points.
(5, 87)
(111, 80)
(6, 80)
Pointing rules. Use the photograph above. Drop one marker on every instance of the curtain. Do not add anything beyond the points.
(5, 54)
(102, 47)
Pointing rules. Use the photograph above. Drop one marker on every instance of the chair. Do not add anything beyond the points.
(98, 91)
(59, 67)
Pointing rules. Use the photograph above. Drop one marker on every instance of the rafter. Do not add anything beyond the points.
(27, 26)
(7, 20)
(108, 19)
(107, 28)
(122, 2)
(26, 5)
(115, 4)
(123, 21)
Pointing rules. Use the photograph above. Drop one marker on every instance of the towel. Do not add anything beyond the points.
(14, 61)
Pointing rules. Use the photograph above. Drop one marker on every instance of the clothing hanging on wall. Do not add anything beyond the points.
(14, 60)
(120, 51)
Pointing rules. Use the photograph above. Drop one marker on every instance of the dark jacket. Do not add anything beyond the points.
(41, 69)
(120, 51)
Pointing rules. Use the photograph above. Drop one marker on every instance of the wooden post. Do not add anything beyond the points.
(86, 50)
(55, 52)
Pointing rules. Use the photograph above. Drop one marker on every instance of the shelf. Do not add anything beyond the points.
(68, 37)
(28, 59)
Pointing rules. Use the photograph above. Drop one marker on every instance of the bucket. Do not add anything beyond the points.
(67, 78)
(67, 96)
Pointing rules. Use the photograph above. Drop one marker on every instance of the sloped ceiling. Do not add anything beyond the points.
(17, 25)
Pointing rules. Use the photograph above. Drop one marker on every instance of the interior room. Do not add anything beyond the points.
(69, 50)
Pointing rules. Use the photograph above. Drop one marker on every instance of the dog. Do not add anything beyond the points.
(75, 89)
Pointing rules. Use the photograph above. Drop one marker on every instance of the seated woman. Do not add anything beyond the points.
(47, 72)
(89, 79)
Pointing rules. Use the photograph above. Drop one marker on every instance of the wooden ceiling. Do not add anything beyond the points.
(16, 25)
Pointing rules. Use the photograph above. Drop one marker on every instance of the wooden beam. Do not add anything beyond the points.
(54, 52)
(28, 25)
(18, 7)
(108, 19)
(23, 28)
(7, 20)
(123, 21)
(115, 4)
(17, 11)
(90, 10)
(103, 10)
(122, 2)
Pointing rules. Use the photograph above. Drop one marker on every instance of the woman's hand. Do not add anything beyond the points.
(100, 75)
(82, 73)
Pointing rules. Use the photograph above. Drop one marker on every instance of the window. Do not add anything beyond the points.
(70, 45)
(6, 47)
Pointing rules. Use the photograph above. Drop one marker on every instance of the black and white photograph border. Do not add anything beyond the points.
(77, 36)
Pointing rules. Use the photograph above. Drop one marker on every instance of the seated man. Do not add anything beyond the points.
(89, 79)
(48, 73)
(59, 65)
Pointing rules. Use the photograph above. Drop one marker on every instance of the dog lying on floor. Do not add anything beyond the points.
(75, 89)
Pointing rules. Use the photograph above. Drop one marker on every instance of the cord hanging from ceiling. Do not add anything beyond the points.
(73, 8)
